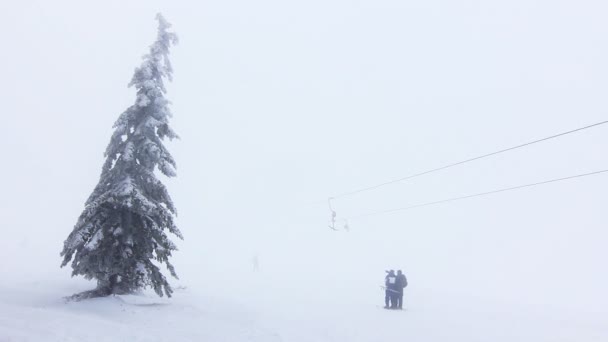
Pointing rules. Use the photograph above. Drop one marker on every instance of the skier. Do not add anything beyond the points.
(401, 284)
(390, 283)
(255, 261)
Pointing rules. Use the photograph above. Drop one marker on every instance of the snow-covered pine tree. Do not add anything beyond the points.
(120, 237)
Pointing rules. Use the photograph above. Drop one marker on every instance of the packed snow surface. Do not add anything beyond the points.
(296, 295)
(260, 313)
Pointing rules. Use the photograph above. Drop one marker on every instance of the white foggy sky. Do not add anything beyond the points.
(280, 104)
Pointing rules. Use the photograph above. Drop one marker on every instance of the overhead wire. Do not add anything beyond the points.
(478, 194)
(369, 188)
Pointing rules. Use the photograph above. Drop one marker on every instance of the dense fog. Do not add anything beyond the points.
(280, 105)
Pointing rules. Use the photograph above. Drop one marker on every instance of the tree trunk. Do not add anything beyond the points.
(113, 281)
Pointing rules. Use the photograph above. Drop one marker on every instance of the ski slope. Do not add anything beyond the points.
(313, 285)
(263, 314)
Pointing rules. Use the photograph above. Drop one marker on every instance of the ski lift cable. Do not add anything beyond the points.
(478, 194)
(373, 187)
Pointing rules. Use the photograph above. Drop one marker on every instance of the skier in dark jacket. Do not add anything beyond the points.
(400, 285)
(390, 283)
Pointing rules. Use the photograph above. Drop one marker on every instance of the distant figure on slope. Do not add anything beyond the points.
(255, 261)
(390, 297)
(401, 284)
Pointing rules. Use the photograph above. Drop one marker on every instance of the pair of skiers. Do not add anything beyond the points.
(394, 285)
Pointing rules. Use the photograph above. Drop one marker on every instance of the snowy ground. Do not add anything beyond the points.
(262, 311)
(313, 285)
